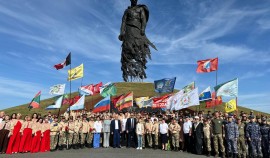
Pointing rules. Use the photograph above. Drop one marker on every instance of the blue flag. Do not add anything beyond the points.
(165, 85)
(206, 94)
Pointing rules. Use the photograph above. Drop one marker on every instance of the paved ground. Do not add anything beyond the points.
(106, 153)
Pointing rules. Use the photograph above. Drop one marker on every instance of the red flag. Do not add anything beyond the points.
(65, 63)
(214, 102)
(160, 102)
(207, 65)
(114, 100)
(96, 88)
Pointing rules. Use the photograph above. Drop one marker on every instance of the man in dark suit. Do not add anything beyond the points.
(116, 130)
(131, 130)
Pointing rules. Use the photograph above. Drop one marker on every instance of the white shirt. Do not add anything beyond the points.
(1, 119)
(116, 124)
(124, 121)
(163, 128)
(187, 126)
(98, 126)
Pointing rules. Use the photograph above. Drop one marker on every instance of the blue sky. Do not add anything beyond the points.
(35, 35)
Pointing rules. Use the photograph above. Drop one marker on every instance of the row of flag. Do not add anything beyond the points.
(186, 97)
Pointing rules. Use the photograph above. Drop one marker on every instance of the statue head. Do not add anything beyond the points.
(133, 2)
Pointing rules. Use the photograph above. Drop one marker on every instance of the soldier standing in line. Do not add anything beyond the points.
(76, 134)
(265, 131)
(90, 132)
(231, 136)
(174, 128)
(241, 143)
(155, 133)
(207, 136)
(70, 132)
(148, 128)
(54, 127)
(217, 129)
(253, 135)
(84, 131)
(143, 136)
(62, 134)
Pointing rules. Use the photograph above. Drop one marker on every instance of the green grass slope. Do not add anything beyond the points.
(139, 90)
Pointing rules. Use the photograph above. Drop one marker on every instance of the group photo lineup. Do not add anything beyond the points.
(135, 78)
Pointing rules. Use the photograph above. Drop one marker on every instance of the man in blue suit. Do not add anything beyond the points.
(115, 131)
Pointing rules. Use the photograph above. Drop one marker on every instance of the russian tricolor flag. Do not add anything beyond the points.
(103, 105)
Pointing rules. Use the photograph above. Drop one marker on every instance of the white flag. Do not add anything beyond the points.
(58, 89)
(172, 101)
(79, 105)
(57, 105)
(186, 100)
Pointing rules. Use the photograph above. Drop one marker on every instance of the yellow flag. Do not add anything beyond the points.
(230, 106)
(140, 101)
(75, 73)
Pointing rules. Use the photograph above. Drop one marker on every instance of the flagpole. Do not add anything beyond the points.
(216, 85)
(236, 106)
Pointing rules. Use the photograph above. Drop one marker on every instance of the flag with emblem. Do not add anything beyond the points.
(185, 100)
(58, 89)
(35, 103)
(108, 89)
(206, 94)
(161, 102)
(230, 106)
(207, 65)
(228, 89)
(75, 73)
(174, 100)
(189, 87)
(165, 85)
(142, 102)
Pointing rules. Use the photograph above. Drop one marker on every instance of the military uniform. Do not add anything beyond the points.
(77, 129)
(265, 132)
(155, 132)
(207, 137)
(231, 136)
(143, 136)
(62, 134)
(84, 132)
(217, 125)
(175, 129)
(241, 143)
(253, 134)
(70, 134)
(90, 133)
(54, 127)
(148, 131)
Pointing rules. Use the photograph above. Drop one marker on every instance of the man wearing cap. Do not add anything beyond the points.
(217, 129)
(155, 132)
(241, 143)
(62, 134)
(265, 131)
(148, 132)
(253, 135)
(174, 128)
(54, 127)
(197, 132)
(231, 136)
(207, 136)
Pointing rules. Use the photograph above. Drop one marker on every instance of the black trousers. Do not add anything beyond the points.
(3, 140)
(187, 142)
(131, 137)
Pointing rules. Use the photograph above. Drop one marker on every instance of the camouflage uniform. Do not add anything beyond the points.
(148, 131)
(253, 134)
(265, 131)
(71, 128)
(54, 135)
(90, 133)
(155, 132)
(175, 129)
(207, 136)
(84, 132)
(77, 128)
(62, 134)
(241, 143)
(231, 135)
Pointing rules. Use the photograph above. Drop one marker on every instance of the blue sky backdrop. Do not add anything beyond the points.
(35, 35)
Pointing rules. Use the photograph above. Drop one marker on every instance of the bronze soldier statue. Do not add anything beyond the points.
(135, 46)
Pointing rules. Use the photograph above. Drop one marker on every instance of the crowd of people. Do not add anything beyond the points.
(220, 134)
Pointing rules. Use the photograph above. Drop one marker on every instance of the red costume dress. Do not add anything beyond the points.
(37, 138)
(45, 141)
(14, 141)
(26, 140)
